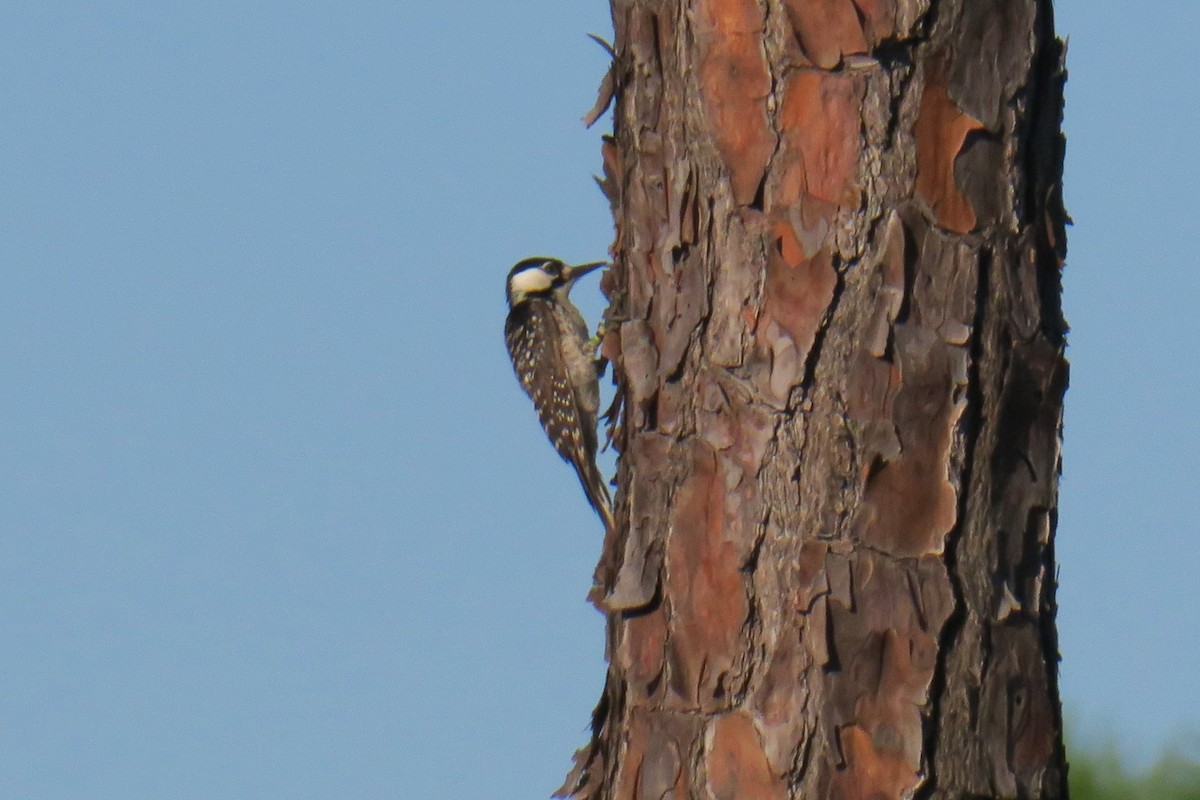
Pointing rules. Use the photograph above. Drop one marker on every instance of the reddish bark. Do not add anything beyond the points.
(836, 331)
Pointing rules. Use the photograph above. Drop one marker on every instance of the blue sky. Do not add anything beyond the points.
(275, 520)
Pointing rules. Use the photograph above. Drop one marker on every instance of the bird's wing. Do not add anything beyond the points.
(532, 344)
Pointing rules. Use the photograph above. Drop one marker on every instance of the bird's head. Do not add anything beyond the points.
(541, 277)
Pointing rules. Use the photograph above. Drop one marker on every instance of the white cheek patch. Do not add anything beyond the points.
(531, 281)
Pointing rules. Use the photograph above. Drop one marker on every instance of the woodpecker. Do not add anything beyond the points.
(552, 355)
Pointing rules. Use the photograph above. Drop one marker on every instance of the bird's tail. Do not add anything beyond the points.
(596, 489)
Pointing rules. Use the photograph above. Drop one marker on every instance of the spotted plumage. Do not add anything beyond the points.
(550, 348)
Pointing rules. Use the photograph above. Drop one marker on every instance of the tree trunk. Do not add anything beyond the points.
(836, 329)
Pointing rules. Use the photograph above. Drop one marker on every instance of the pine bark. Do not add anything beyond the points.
(836, 330)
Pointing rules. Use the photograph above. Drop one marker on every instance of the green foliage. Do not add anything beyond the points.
(1099, 775)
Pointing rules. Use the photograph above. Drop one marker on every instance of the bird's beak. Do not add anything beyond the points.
(573, 273)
